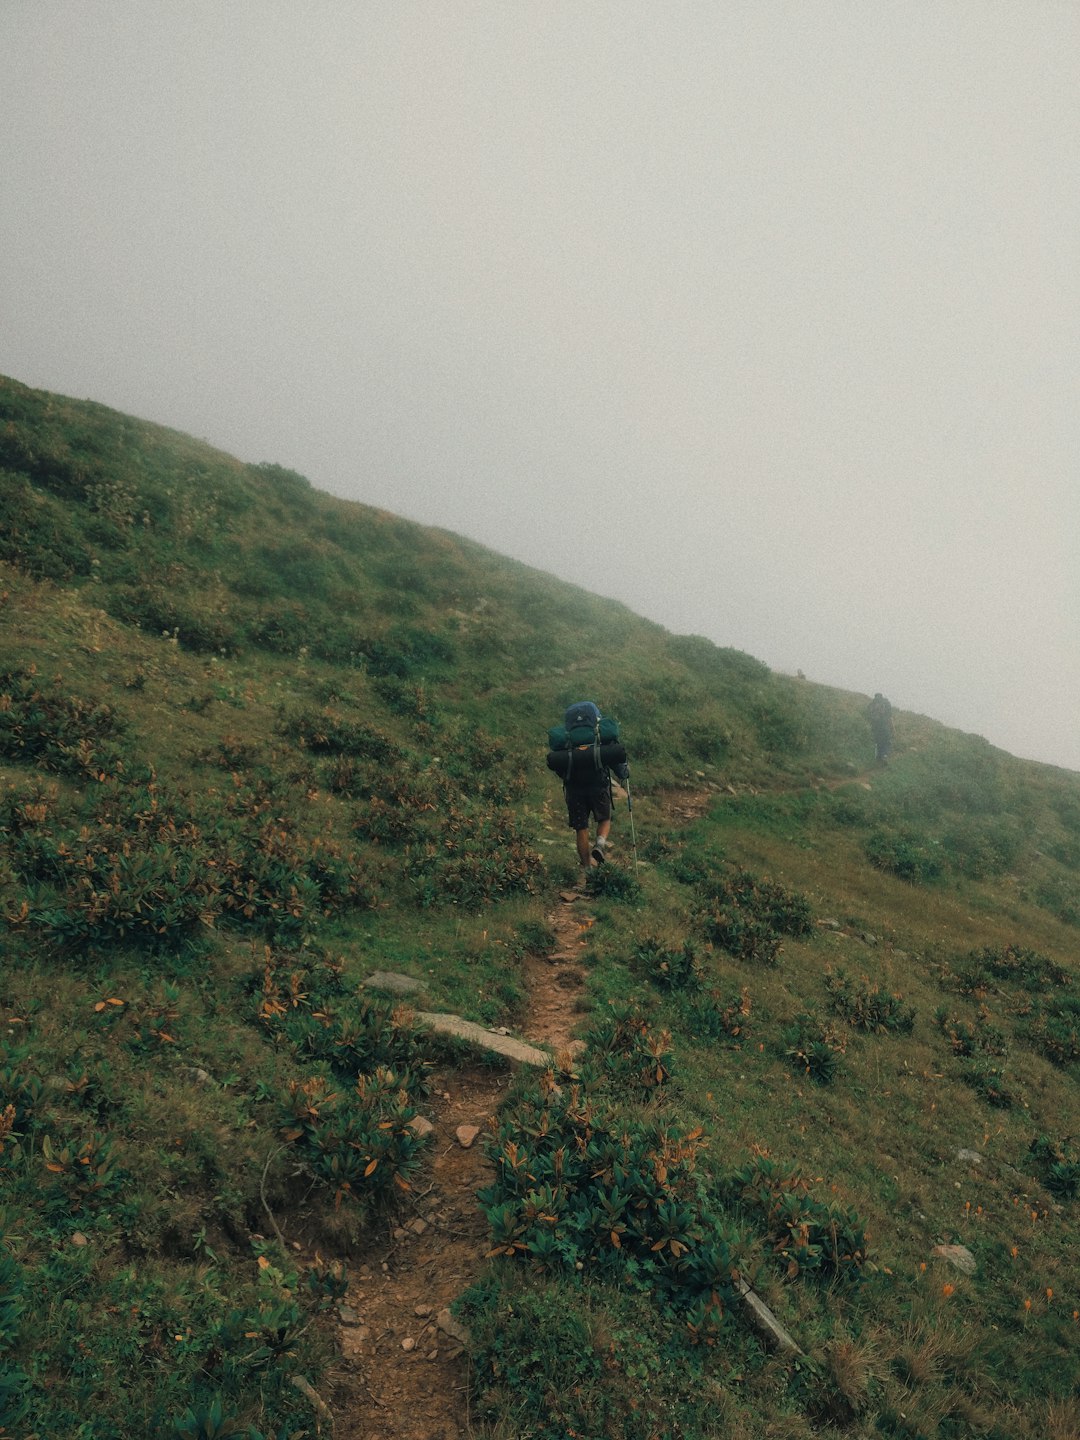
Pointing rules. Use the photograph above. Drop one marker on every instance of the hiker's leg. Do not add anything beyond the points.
(601, 809)
(584, 855)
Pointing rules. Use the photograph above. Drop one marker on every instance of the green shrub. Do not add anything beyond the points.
(361, 1145)
(707, 1016)
(746, 915)
(579, 1188)
(65, 733)
(805, 1236)
(615, 882)
(667, 968)
(982, 848)
(813, 1048)
(904, 854)
(1057, 1165)
(624, 1049)
(37, 535)
(330, 733)
(867, 1007)
(195, 623)
(1054, 1030)
(1021, 969)
(482, 855)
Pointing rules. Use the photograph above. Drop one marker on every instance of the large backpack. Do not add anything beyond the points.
(585, 745)
(583, 725)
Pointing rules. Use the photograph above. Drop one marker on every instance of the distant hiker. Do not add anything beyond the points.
(879, 713)
(584, 752)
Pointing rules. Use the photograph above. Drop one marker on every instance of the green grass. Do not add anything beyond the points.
(256, 743)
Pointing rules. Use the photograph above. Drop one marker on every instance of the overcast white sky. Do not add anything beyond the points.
(762, 316)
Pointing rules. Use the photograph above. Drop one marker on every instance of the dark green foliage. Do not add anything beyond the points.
(42, 725)
(867, 1007)
(1013, 966)
(980, 848)
(330, 733)
(168, 611)
(1054, 1030)
(482, 855)
(37, 535)
(813, 1048)
(409, 651)
(784, 911)
(971, 1035)
(360, 1144)
(747, 915)
(806, 1236)
(667, 968)
(903, 853)
(625, 1050)
(982, 1047)
(1060, 895)
(707, 1016)
(1037, 991)
(1057, 1164)
(140, 864)
(579, 1189)
(614, 882)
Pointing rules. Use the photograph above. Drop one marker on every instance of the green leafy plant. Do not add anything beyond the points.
(814, 1048)
(669, 968)
(868, 1007)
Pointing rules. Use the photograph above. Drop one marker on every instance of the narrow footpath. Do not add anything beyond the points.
(403, 1373)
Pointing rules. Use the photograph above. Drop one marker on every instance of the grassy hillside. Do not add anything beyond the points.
(256, 743)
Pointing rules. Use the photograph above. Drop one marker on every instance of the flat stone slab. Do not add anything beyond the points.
(393, 982)
(484, 1039)
(764, 1320)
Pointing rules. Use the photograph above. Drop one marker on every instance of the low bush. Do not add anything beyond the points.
(708, 1016)
(43, 725)
(747, 915)
(1057, 1164)
(814, 1048)
(806, 1236)
(668, 968)
(580, 1189)
(868, 1007)
(361, 1144)
(903, 853)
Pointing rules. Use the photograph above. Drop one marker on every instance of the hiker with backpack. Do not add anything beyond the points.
(880, 714)
(585, 751)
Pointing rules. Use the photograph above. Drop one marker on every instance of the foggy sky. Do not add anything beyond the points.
(761, 317)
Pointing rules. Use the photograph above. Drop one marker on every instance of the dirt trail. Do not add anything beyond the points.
(401, 1376)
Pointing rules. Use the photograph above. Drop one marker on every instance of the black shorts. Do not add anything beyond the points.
(580, 804)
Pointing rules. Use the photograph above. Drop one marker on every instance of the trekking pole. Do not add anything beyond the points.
(630, 808)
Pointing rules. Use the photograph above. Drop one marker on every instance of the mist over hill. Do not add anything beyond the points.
(257, 743)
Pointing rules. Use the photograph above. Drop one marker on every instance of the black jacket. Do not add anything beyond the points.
(586, 767)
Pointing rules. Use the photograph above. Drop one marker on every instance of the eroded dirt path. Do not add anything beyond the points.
(402, 1375)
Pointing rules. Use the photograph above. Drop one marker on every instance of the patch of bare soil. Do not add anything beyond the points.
(403, 1373)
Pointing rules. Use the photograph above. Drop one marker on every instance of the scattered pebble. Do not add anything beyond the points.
(423, 1311)
(79, 1238)
(466, 1134)
(409, 1344)
(417, 1226)
(421, 1124)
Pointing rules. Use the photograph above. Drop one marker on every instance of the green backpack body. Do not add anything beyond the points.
(605, 732)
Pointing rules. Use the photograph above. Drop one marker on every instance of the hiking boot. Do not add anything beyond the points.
(598, 853)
